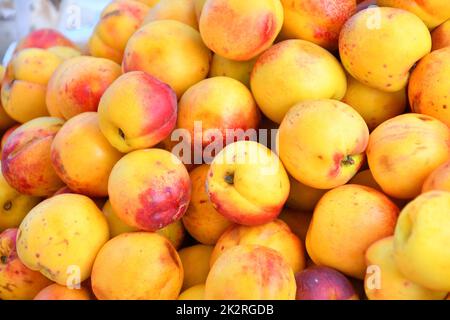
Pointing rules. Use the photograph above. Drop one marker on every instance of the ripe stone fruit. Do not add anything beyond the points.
(222, 104)
(317, 21)
(247, 183)
(59, 292)
(421, 240)
(25, 83)
(292, 71)
(77, 85)
(195, 260)
(275, 235)
(393, 285)
(239, 70)
(14, 206)
(249, 272)
(116, 226)
(44, 39)
(193, 293)
(374, 105)
(441, 36)
(17, 282)
(118, 21)
(150, 3)
(374, 51)
(433, 13)
(323, 283)
(60, 234)
(203, 222)
(171, 51)
(174, 232)
(26, 163)
(298, 221)
(179, 10)
(428, 88)
(404, 150)
(137, 111)
(302, 197)
(149, 189)
(439, 179)
(82, 157)
(338, 238)
(332, 153)
(6, 122)
(240, 30)
(137, 266)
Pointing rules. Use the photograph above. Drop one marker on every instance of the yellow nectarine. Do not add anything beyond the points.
(421, 240)
(240, 30)
(14, 205)
(203, 222)
(322, 143)
(179, 10)
(77, 85)
(137, 266)
(61, 237)
(374, 105)
(275, 235)
(82, 157)
(428, 86)
(149, 189)
(59, 292)
(404, 150)
(346, 221)
(194, 293)
(317, 21)
(137, 111)
(292, 71)
(195, 260)
(26, 161)
(17, 282)
(249, 272)
(375, 53)
(118, 21)
(169, 50)
(392, 284)
(247, 183)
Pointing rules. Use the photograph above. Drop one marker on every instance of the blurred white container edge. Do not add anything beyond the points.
(77, 20)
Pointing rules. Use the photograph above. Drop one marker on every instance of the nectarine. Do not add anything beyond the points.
(137, 266)
(169, 50)
(137, 111)
(149, 189)
(275, 235)
(292, 71)
(203, 222)
(406, 149)
(249, 272)
(61, 237)
(240, 30)
(247, 183)
(26, 162)
(82, 157)
(328, 138)
(346, 221)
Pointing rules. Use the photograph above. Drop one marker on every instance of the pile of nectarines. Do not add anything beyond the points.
(230, 149)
